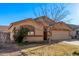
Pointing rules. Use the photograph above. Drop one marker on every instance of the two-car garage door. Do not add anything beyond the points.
(60, 35)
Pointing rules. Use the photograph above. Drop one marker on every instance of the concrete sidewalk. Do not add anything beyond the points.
(74, 42)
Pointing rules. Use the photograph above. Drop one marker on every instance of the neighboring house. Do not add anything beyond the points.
(42, 29)
(75, 32)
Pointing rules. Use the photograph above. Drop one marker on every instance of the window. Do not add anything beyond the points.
(17, 27)
(31, 33)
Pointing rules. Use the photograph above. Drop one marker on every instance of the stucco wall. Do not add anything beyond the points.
(34, 39)
(11, 34)
(11, 37)
(38, 32)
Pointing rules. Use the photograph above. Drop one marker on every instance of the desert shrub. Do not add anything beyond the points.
(20, 34)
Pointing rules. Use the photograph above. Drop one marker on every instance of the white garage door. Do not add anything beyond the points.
(60, 35)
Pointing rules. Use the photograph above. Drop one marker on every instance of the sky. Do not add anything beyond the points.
(11, 12)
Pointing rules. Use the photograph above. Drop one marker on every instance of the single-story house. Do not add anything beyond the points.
(42, 29)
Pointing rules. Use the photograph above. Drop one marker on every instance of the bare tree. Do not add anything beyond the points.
(55, 11)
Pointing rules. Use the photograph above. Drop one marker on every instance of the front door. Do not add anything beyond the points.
(45, 34)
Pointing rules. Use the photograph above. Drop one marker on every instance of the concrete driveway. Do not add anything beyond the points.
(72, 41)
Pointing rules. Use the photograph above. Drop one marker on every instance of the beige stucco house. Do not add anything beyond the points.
(43, 28)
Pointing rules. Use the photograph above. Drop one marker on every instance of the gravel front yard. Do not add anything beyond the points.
(64, 48)
(15, 50)
(10, 50)
(58, 49)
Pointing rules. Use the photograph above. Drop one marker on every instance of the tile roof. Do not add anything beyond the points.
(29, 19)
(64, 24)
(45, 20)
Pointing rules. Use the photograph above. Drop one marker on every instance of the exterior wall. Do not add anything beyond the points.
(37, 37)
(11, 37)
(11, 34)
(56, 35)
(38, 32)
(34, 39)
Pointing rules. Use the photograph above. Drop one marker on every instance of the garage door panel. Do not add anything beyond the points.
(60, 35)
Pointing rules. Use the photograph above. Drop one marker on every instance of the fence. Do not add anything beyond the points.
(4, 37)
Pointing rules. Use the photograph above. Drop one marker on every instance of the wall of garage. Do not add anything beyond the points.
(56, 35)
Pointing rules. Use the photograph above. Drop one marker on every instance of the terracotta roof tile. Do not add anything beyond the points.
(29, 19)
(45, 20)
(37, 21)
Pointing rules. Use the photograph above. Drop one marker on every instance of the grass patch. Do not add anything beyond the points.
(59, 49)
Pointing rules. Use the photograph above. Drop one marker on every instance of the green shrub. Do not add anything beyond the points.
(20, 34)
